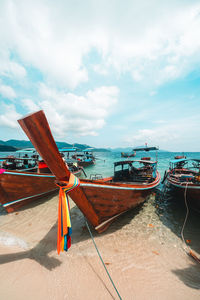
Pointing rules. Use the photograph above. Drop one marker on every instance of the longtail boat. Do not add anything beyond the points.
(183, 179)
(12, 162)
(20, 185)
(84, 158)
(101, 201)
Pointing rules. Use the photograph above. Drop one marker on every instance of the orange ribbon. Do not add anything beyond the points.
(64, 222)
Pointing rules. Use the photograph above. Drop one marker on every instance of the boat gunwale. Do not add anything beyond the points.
(119, 185)
(29, 197)
(13, 172)
(183, 185)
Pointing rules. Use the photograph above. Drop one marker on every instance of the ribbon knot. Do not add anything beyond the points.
(64, 221)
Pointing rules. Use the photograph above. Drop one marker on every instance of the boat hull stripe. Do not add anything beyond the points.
(189, 187)
(118, 187)
(23, 199)
(28, 174)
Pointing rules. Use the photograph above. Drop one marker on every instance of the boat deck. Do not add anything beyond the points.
(134, 175)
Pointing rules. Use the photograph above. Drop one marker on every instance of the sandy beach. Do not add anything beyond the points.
(145, 258)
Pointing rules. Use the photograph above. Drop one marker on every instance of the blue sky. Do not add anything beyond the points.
(106, 73)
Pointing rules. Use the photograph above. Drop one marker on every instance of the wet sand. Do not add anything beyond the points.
(143, 254)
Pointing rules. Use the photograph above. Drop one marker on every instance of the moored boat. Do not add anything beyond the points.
(84, 158)
(183, 179)
(127, 155)
(20, 185)
(101, 201)
(12, 162)
(126, 189)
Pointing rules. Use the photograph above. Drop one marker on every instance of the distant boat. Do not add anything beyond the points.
(29, 151)
(146, 148)
(103, 200)
(84, 159)
(126, 154)
(179, 156)
(183, 178)
(12, 162)
(135, 150)
(68, 152)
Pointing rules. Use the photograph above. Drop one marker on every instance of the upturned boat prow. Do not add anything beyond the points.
(38, 131)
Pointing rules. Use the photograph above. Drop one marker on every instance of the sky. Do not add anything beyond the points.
(106, 73)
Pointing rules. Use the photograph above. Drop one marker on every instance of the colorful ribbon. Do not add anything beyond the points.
(64, 222)
(2, 171)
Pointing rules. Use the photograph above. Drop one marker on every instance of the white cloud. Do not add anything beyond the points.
(160, 122)
(153, 93)
(80, 115)
(9, 116)
(168, 135)
(63, 44)
(47, 44)
(155, 40)
(7, 91)
(30, 105)
(8, 67)
(100, 69)
(153, 136)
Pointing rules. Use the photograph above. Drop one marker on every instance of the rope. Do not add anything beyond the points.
(186, 216)
(190, 252)
(102, 260)
(164, 191)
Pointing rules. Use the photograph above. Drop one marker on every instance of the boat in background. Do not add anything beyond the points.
(12, 162)
(127, 155)
(73, 167)
(146, 148)
(84, 158)
(27, 152)
(68, 152)
(183, 179)
(21, 159)
(101, 201)
(22, 182)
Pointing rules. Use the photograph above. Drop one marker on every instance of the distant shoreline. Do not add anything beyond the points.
(4, 148)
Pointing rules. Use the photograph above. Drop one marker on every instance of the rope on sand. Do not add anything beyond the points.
(186, 216)
(190, 252)
(102, 260)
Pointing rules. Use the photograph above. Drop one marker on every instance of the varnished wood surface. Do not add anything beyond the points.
(15, 186)
(186, 192)
(38, 131)
(109, 199)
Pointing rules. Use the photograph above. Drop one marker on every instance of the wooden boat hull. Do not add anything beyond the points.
(189, 191)
(18, 189)
(107, 199)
